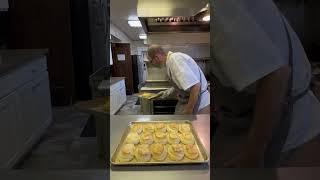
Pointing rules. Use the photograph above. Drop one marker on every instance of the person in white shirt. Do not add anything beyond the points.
(267, 113)
(187, 78)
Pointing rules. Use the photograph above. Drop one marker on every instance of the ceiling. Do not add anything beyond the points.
(121, 11)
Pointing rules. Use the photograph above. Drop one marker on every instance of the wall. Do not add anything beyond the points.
(312, 29)
(115, 31)
(304, 17)
(197, 45)
(295, 13)
(136, 47)
(4, 30)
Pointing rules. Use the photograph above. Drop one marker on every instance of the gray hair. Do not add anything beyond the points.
(155, 49)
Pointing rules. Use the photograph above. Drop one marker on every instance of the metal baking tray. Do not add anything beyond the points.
(203, 156)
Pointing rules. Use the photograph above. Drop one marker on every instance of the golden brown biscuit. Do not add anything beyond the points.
(143, 153)
(184, 128)
(160, 137)
(126, 153)
(173, 138)
(133, 138)
(160, 127)
(187, 138)
(146, 138)
(148, 128)
(158, 151)
(136, 128)
(176, 152)
(191, 151)
(173, 127)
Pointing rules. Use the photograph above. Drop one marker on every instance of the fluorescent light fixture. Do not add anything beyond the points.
(206, 18)
(143, 36)
(135, 23)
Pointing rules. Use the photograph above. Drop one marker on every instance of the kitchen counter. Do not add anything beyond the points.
(105, 84)
(10, 60)
(311, 173)
(173, 172)
(114, 80)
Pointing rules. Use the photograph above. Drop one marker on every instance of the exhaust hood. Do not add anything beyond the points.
(173, 15)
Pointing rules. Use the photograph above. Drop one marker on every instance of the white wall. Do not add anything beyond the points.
(179, 38)
(138, 47)
(196, 45)
(115, 31)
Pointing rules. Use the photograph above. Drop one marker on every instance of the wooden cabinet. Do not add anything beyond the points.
(123, 67)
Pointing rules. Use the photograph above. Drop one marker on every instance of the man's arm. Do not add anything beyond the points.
(271, 93)
(193, 98)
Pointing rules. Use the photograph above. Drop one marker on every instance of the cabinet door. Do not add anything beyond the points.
(8, 118)
(27, 116)
(123, 96)
(113, 102)
(41, 95)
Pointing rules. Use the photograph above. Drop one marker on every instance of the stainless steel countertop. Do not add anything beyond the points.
(173, 172)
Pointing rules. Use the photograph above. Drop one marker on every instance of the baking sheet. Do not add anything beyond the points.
(203, 156)
(149, 96)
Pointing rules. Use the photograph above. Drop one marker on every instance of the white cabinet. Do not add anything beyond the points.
(25, 110)
(26, 107)
(117, 96)
(8, 122)
(41, 94)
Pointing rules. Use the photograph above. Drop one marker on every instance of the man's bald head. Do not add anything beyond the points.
(156, 54)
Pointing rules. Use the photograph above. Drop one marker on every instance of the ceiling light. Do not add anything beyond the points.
(206, 18)
(134, 23)
(143, 36)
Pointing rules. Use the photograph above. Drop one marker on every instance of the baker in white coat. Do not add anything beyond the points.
(187, 78)
(267, 113)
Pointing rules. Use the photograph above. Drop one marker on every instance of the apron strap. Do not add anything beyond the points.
(196, 107)
(281, 130)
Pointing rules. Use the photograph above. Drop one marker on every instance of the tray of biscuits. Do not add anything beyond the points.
(159, 142)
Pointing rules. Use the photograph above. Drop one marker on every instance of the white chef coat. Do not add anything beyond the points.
(249, 42)
(185, 73)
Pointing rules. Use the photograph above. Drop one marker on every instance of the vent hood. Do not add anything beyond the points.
(173, 15)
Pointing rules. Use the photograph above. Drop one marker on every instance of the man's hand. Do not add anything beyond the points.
(193, 98)
(187, 110)
(166, 93)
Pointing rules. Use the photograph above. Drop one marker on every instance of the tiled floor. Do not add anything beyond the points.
(130, 107)
(62, 147)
